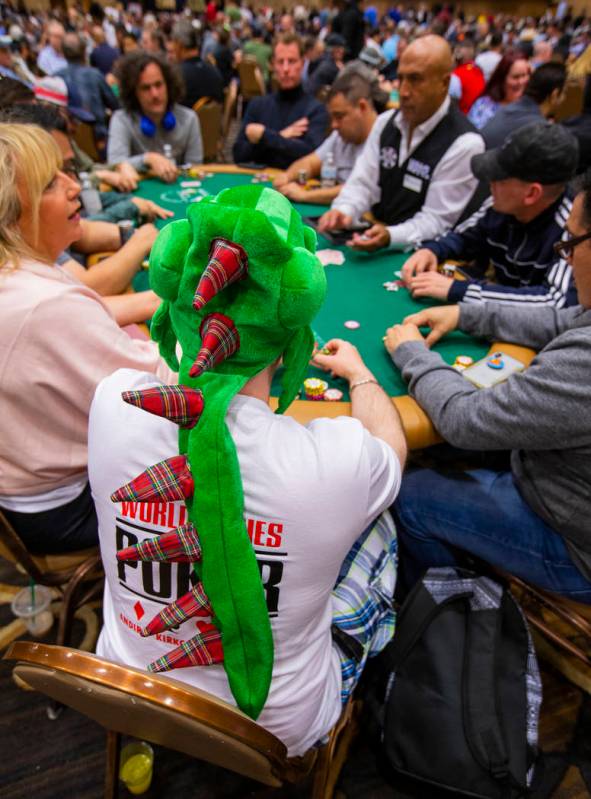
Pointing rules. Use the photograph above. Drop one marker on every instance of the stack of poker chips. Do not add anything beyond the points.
(314, 388)
(463, 362)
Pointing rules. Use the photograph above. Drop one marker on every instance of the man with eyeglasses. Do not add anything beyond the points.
(529, 513)
(515, 229)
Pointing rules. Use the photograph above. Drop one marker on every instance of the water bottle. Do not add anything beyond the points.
(167, 152)
(328, 172)
(89, 196)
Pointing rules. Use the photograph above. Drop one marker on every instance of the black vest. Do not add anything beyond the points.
(404, 186)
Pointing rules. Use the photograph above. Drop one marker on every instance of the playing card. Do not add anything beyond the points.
(334, 257)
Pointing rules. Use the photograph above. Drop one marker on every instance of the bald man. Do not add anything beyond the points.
(414, 174)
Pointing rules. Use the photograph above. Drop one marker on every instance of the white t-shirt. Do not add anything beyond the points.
(308, 491)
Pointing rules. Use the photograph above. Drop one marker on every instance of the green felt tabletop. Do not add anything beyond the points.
(355, 289)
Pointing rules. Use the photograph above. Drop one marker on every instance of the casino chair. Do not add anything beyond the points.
(561, 629)
(251, 81)
(572, 100)
(210, 121)
(164, 711)
(77, 577)
(84, 138)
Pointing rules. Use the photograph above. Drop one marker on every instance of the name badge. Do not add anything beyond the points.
(412, 183)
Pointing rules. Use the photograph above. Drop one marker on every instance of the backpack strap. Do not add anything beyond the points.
(480, 700)
(421, 609)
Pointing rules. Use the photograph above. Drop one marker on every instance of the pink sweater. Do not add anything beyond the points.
(57, 341)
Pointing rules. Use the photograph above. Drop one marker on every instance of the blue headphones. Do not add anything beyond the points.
(148, 128)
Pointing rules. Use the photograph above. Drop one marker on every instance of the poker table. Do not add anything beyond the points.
(355, 293)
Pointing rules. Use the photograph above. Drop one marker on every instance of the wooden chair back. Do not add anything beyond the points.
(251, 78)
(572, 102)
(161, 710)
(77, 576)
(84, 138)
(210, 120)
(173, 714)
(51, 570)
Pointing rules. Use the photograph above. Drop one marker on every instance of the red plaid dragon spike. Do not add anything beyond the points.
(227, 264)
(168, 480)
(193, 603)
(177, 546)
(219, 340)
(180, 404)
(204, 649)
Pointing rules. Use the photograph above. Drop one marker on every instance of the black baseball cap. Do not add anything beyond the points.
(539, 152)
(335, 40)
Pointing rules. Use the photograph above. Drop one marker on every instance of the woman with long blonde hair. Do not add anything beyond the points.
(57, 341)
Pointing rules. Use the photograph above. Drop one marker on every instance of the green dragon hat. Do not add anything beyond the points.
(240, 286)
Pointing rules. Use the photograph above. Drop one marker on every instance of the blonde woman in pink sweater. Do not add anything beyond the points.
(57, 341)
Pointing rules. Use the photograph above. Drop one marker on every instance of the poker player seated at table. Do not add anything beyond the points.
(59, 340)
(414, 173)
(151, 118)
(112, 275)
(515, 229)
(351, 104)
(279, 128)
(529, 516)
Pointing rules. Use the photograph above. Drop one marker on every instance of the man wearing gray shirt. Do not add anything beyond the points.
(351, 104)
(534, 518)
(152, 119)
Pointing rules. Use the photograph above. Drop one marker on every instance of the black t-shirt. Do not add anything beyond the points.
(201, 80)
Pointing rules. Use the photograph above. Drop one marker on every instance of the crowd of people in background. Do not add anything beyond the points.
(495, 56)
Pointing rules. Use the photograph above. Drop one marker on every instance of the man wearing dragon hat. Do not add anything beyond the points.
(233, 556)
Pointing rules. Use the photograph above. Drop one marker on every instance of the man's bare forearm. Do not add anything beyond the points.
(308, 163)
(322, 195)
(129, 309)
(98, 237)
(375, 410)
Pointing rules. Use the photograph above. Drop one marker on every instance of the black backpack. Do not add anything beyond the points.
(462, 688)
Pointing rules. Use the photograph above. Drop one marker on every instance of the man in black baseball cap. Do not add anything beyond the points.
(537, 153)
(514, 230)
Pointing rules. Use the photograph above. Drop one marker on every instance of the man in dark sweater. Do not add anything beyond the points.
(279, 128)
(201, 79)
(530, 516)
(514, 231)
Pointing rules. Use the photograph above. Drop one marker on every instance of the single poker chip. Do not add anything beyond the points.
(352, 324)
(464, 360)
(333, 395)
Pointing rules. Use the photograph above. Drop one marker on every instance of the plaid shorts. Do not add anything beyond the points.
(362, 599)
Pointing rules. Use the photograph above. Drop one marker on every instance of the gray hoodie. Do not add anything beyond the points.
(543, 414)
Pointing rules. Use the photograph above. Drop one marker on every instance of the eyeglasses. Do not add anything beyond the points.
(566, 247)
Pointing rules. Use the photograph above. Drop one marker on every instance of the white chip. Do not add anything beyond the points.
(352, 324)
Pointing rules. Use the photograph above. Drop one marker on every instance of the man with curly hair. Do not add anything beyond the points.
(152, 118)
